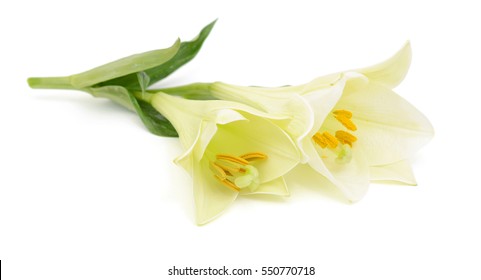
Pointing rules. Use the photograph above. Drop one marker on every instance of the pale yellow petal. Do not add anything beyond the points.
(258, 135)
(286, 102)
(400, 171)
(322, 101)
(211, 197)
(180, 113)
(276, 187)
(391, 72)
(390, 129)
(351, 178)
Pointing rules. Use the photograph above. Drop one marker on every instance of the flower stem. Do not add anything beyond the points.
(50, 82)
(144, 96)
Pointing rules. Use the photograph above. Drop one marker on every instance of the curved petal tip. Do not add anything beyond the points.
(392, 71)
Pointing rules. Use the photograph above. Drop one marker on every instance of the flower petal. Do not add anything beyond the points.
(351, 178)
(211, 197)
(180, 113)
(400, 171)
(305, 106)
(258, 135)
(390, 129)
(209, 128)
(322, 100)
(275, 187)
(285, 102)
(391, 72)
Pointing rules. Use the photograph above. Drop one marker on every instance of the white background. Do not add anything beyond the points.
(87, 193)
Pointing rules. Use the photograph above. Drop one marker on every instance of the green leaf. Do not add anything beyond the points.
(120, 80)
(152, 119)
(124, 66)
(187, 51)
(117, 94)
(156, 64)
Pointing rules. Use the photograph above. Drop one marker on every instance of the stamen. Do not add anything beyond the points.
(228, 183)
(235, 172)
(229, 166)
(331, 140)
(345, 137)
(218, 171)
(341, 143)
(346, 122)
(344, 113)
(232, 159)
(254, 156)
(319, 140)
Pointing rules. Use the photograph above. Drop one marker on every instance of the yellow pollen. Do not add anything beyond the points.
(229, 167)
(233, 159)
(331, 140)
(344, 113)
(345, 137)
(254, 156)
(346, 122)
(319, 140)
(226, 182)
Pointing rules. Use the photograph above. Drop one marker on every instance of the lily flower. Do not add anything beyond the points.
(360, 130)
(230, 149)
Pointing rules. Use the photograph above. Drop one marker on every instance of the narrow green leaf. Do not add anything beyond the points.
(152, 119)
(117, 94)
(155, 122)
(187, 51)
(120, 80)
(124, 66)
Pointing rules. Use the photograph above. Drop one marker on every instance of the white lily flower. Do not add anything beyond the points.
(361, 130)
(231, 149)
